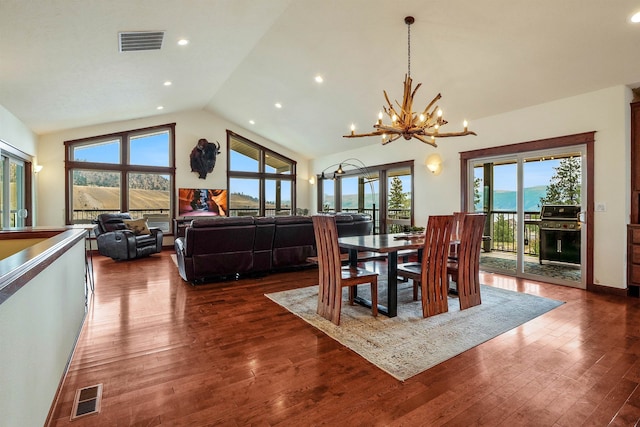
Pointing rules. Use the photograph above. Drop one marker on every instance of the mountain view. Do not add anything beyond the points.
(101, 190)
(244, 201)
(506, 200)
(502, 200)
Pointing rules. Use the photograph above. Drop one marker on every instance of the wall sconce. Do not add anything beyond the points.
(37, 168)
(312, 180)
(434, 164)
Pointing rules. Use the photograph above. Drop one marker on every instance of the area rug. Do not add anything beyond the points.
(408, 344)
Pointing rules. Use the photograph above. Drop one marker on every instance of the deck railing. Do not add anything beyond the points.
(88, 215)
(504, 236)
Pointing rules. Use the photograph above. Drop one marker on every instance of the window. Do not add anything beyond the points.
(383, 191)
(15, 187)
(131, 171)
(260, 181)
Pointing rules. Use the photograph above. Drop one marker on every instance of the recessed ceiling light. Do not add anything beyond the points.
(168, 83)
(159, 107)
(183, 42)
(278, 105)
(636, 17)
(319, 79)
(252, 122)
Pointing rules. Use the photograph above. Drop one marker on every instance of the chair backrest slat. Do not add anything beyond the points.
(329, 265)
(469, 260)
(435, 285)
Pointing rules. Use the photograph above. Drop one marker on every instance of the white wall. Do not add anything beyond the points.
(604, 111)
(39, 325)
(18, 135)
(15, 133)
(190, 127)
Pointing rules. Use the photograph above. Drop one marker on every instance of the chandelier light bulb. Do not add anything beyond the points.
(422, 117)
(394, 118)
(353, 128)
(439, 112)
(466, 125)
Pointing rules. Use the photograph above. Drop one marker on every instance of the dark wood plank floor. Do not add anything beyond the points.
(168, 353)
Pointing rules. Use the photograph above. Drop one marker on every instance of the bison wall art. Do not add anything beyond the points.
(203, 157)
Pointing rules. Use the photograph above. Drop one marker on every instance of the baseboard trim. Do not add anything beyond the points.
(607, 290)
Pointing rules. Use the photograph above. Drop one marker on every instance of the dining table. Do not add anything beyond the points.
(389, 244)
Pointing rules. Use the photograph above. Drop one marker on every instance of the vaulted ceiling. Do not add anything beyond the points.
(60, 66)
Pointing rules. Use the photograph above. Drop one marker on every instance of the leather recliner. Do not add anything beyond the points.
(119, 243)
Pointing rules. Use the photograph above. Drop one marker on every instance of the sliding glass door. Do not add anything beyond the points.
(513, 191)
(495, 192)
(12, 192)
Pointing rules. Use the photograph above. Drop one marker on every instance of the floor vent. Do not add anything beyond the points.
(140, 40)
(87, 401)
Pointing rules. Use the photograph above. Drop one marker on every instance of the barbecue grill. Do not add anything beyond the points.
(560, 233)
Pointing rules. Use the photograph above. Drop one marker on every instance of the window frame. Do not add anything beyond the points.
(381, 221)
(261, 175)
(123, 167)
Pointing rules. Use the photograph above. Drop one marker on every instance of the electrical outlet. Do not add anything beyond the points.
(601, 207)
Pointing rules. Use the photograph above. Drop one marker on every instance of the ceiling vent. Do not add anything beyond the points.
(140, 40)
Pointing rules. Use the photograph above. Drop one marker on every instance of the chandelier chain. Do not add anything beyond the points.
(409, 50)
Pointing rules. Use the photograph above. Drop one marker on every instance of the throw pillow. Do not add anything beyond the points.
(138, 226)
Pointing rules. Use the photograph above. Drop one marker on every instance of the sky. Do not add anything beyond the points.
(149, 150)
(534, 174)
(153, 150)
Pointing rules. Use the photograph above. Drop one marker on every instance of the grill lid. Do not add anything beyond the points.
(567, 212)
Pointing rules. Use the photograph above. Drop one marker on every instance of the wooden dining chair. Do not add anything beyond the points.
(332, 276)
(431, 273)
(465, 270)
(456, 229)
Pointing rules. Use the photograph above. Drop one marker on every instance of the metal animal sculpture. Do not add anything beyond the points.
(203, 157)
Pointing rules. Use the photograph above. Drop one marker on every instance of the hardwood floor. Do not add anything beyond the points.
(172, 354)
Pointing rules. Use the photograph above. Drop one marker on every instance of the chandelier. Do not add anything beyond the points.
(424, 126)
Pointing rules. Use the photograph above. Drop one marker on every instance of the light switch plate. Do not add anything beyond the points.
(601, 207)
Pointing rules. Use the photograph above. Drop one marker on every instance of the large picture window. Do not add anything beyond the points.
(383, 191)
(131, 171)
(260, 181)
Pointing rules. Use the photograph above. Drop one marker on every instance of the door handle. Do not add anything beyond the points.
(580, 217)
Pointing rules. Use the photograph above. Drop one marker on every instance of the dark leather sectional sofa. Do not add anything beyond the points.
(224, 247)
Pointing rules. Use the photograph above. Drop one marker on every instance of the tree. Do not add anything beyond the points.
(476, 195)
(564, 187)
(503, 232)
(397, 198)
